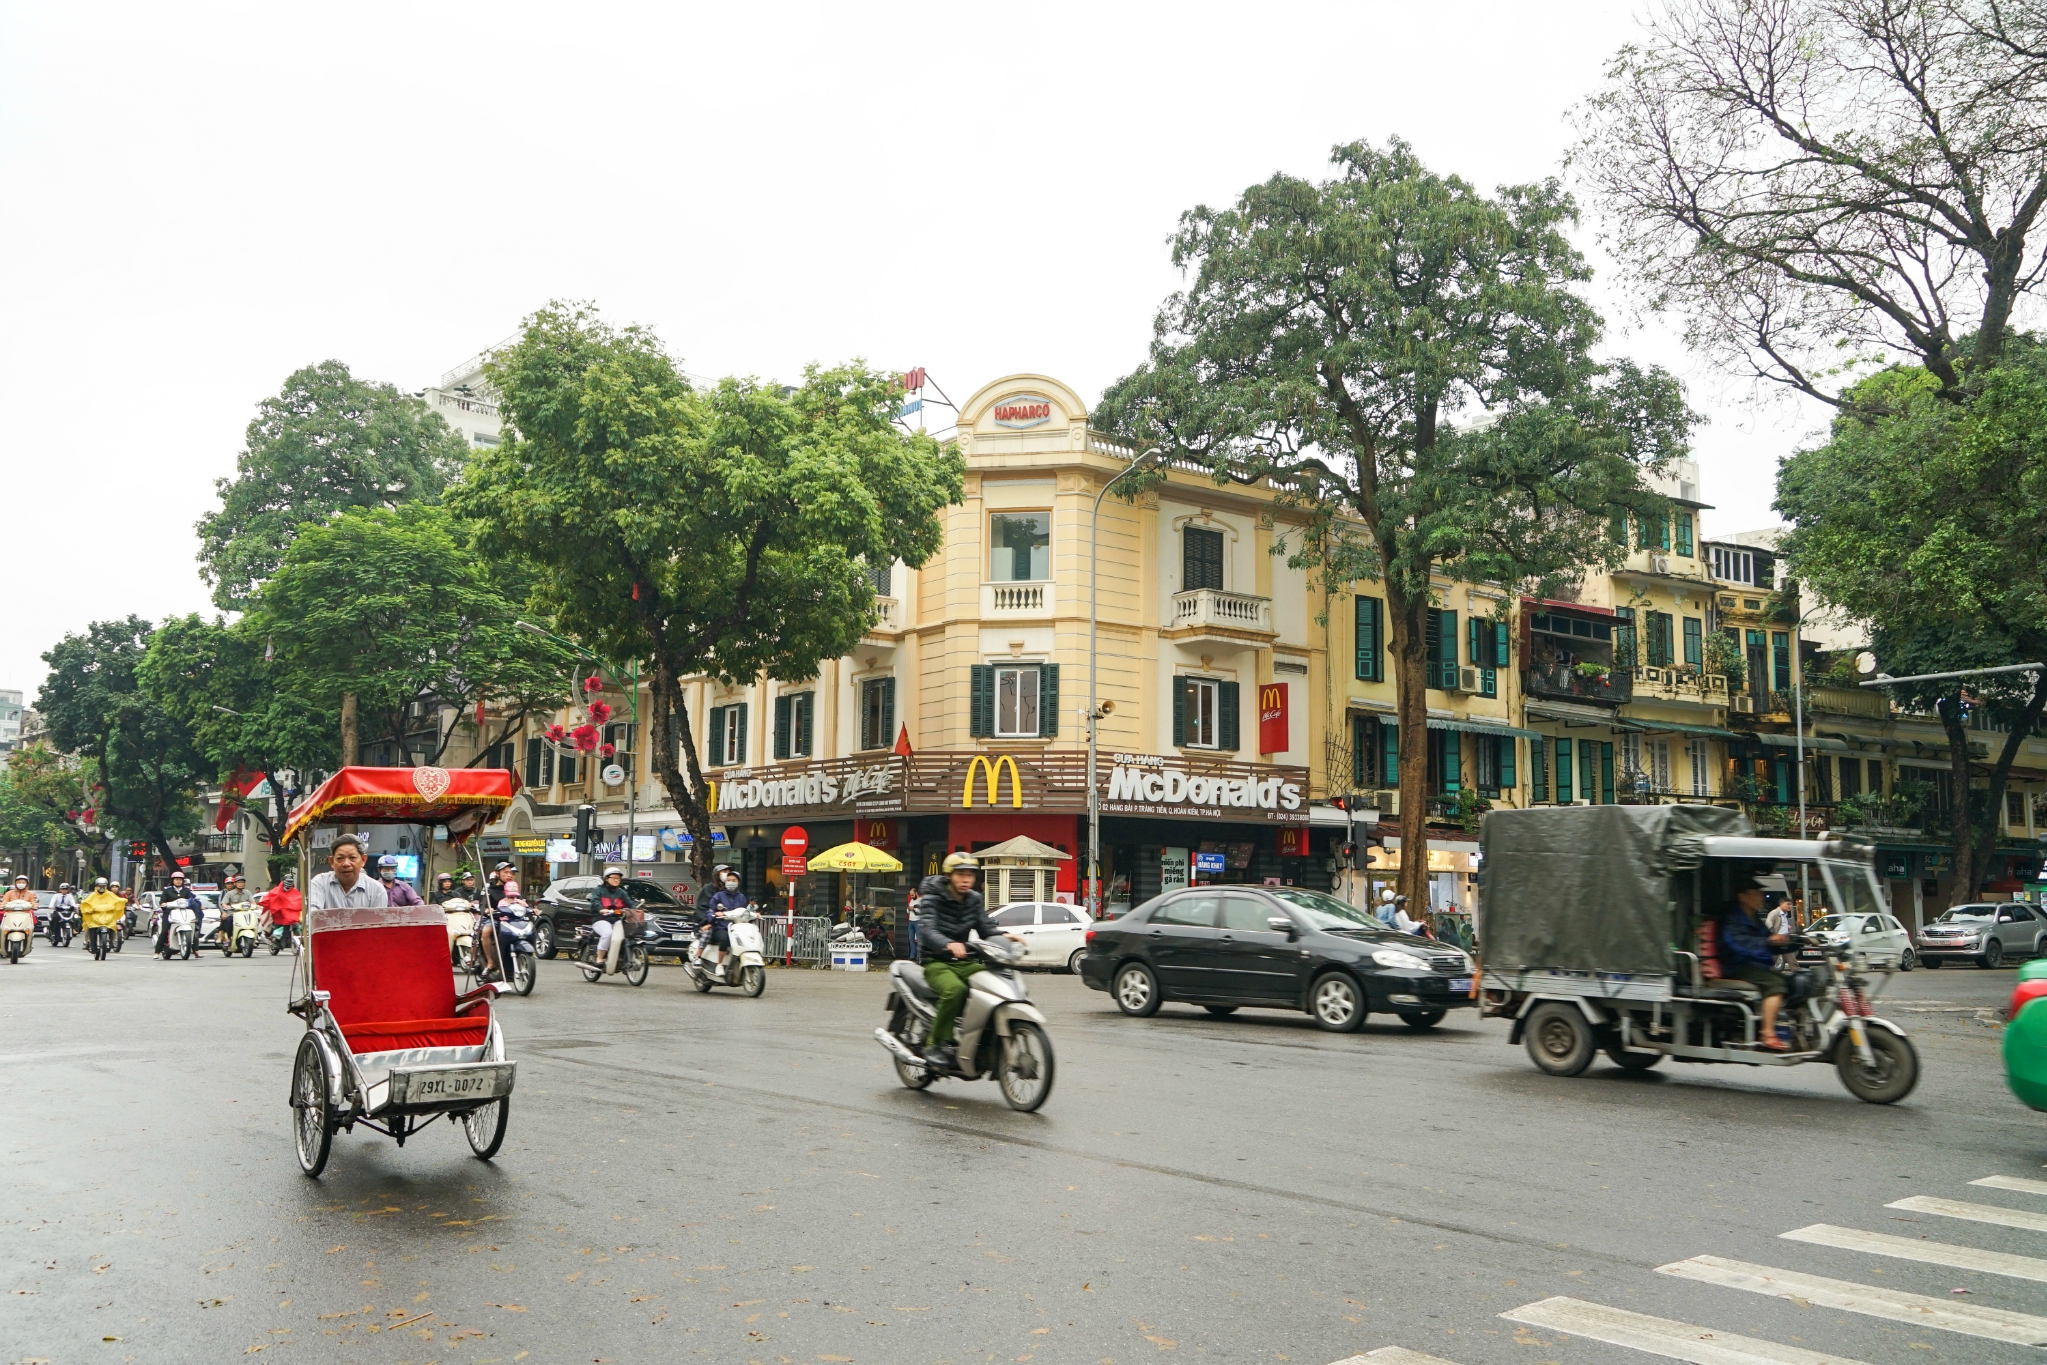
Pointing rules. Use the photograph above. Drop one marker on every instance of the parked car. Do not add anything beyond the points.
(1054, 935)
(1883, 942)
(1989, 935)
(564, 907)
(1273, 947)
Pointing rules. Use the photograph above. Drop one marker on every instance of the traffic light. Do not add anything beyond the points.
(587, 833)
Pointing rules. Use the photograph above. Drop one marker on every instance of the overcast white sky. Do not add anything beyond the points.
(200, 199)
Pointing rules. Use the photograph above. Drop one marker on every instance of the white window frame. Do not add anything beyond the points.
(1659, 765)
(1734, 566)
(1015, 673)
(728, 738)
(1044, 512)
(1702, 769)
(1199, 730)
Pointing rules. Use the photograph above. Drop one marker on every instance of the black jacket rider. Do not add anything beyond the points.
(942, 919)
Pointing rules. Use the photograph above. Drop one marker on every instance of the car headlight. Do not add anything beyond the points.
(1394, 957)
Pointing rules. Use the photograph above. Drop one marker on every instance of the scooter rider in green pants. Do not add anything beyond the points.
(949, 909)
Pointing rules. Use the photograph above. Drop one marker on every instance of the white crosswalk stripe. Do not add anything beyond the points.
(1664, 1337)
(1912, 1249)
(1393, 1355)
(1974, 1213)
(1994, 1324)
(2012, 1182)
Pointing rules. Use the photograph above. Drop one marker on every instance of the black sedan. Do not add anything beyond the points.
(565, 907)
(1273, 947)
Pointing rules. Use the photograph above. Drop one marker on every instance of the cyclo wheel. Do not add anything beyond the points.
(312, 1131)
(484, 1126)
(636, 964)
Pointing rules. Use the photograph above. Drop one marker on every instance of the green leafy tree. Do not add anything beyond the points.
(1814, 187)
(1926, 515)
(722, 534)
(43, 806)
(325, 443)
(393, 607)
(147, 764)
(246, 714)
(1408, 362)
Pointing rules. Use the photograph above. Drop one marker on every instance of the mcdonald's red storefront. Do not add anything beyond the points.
(1165, 820)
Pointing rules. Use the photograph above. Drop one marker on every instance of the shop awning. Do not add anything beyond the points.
(1674, 727)
(1578, 715)
(1832, 746)
(1480, 727)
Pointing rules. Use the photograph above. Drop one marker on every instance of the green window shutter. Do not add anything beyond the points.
(1695, 641)
(533, 747)
(1389, 755)
(981, 699)
(1453, 759)
(1564, 770)
(1503, 763)
(1617, 528)
(1432, 645)
(1476, 645)
(782, 735)
(806, 738)
(1448, 639)
(888, 713)
(1538, 770)
(1360, 748)
(1179, 712)
(1588, 770)
(714, 738)
(739, 740)
(1201, 559)
(1048, 701)
(1371, 640)
(1606, 772)
(1502, 652)
(1226, 715)
(1780, 655)
(1684, 533)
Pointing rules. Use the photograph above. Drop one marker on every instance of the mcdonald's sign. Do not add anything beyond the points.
(992, 767)
(1272, 718)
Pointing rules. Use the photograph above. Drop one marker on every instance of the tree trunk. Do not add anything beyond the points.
(1407, 633)
(687, 793)
(350, 750)
(163, 849)
(1961, 829)
(2000, 779)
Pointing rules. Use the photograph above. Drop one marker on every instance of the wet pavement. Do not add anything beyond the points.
(743, 1180)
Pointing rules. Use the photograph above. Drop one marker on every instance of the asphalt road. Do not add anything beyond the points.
(743, 1180)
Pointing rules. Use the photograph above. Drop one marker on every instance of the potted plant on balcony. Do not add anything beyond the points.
(1724, 656)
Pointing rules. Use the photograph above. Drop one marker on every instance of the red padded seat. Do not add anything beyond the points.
(392, 987)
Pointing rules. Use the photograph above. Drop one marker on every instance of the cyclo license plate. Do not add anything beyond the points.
(454, 1083)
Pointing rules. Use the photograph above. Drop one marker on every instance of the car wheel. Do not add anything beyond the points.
(1907, 960)
(1221, 1011)
(1420, 1020)
(1559, 1039)
(543, 938)
(1137, 991)
(1993, 954)
(1337, 1004)
(1073, 963)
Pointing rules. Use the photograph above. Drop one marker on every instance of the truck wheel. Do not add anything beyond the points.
(1559, 1039)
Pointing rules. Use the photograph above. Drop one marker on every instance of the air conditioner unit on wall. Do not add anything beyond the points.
(1387, 801)
(1467, 680)
(1659, 563)
(1745, 705)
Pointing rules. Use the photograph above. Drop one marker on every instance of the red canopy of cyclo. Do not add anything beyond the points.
(463, 799)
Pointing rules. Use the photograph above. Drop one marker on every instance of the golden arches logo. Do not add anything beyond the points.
(992, 767)
(1271, 698)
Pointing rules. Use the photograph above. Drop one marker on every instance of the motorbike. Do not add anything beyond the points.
(743, 965)
(242, 922)
(461, 929)
(182, 936)
(511, 927)
(1000, 1036)
(63, 926)
(627, 956)
(18, 930)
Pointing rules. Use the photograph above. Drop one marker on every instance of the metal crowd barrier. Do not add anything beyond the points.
(812, 935)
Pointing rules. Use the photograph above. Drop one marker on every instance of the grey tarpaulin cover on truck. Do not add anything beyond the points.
(1587, 888)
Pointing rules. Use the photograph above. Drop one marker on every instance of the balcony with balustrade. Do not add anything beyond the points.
(1222, 617)
(1679, 683)
(1011, 601)
(1582, 682)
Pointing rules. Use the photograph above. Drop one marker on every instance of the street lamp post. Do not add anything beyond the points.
(1094, 709)
(632, 777)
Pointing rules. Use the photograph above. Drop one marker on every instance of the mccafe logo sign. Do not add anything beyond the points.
(1023, 410)
(1146, 781)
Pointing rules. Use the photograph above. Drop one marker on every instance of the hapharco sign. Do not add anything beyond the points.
(1023, 410)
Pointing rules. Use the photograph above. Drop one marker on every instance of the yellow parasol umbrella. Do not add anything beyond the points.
(853, 858)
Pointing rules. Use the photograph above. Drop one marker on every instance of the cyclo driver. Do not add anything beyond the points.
(949, 909)
(728, 897)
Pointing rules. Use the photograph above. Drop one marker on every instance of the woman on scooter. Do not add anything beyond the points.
(102, 912)
(608, 906)
(723, 900)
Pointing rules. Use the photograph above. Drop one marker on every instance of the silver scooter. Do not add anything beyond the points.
(1001, 1034)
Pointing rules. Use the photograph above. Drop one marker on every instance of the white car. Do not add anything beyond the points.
(1054, 935)
(1880, 939)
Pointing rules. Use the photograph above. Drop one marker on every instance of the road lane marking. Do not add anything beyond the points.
(1974, 1213)
(1662, 1336)
(1932, 1253)
(52, 1054)
(1994, 1324)
(1394, 1355)
(2012, 1182)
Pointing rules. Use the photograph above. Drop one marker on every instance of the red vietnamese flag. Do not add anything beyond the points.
(1272, 718)
(903, 741)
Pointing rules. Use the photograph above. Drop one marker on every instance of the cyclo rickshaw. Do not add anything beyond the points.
(389, 1044)
(1600, 924)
